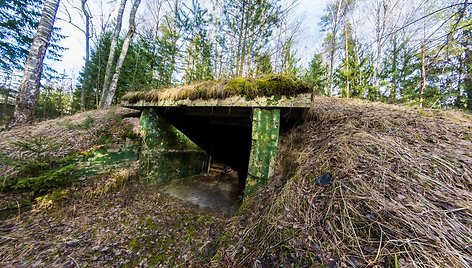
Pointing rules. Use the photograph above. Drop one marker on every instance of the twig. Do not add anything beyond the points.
(76, 264)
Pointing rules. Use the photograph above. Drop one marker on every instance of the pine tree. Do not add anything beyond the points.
(167, 52)
(249, 25)
(18, 22)
(289, 59)
(198, 63)
(356, 71)
(263, 64)
(317, 74)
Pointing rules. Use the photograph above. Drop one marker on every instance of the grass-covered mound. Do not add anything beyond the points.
(272, 85)
(401, 193)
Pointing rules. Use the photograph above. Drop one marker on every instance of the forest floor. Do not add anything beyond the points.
(105, 217)
(358, 184)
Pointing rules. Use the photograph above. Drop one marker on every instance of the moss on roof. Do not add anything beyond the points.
(271, 85)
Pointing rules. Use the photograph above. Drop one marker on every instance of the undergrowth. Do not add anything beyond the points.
(35, 169)
(86, 124)
(48, 180)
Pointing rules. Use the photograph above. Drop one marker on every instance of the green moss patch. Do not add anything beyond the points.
(48, 180)
(271, 85)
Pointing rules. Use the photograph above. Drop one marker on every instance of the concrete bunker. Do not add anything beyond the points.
(186, 134)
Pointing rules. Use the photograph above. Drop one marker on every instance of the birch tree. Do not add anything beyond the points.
(29, 89)
(87, 17)
(330, 23)
(111, 56)
(107, 98)
(384, 12)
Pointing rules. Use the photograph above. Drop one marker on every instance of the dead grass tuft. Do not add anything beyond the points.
(272, 85)
(401, 194)
(116, 180)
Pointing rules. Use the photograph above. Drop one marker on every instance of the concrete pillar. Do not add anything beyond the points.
(166, 153)
(265, 136)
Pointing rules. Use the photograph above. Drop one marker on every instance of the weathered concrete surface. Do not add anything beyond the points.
(166, 153)
(300, 101)
(265, 136)
(218, 193)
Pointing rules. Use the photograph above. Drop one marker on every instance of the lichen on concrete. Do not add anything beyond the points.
(265, 135)
(166, 152)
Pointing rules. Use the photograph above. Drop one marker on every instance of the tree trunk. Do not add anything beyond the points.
(423, 74)
(108, 99)
(111, 56)
(250, 48)
(5, 104)
(6, 93)
(231, 68)
(244, 45)
(423, 67)
(468, 78)
(393, 90)
(346, 47)
(87, 53)
(240, 39)
(29, 89)
(381, 9)
(334, 31)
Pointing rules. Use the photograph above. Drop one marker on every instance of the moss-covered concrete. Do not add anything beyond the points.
(166, 152)
(265, 136)
(268, 86)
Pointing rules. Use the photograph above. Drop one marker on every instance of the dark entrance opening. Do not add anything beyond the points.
(224, 134)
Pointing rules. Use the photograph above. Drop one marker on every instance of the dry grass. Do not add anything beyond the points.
(401, 194)
(116, 180)
(273, 85)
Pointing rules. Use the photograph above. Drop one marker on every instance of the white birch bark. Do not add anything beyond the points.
(87, 52)
(29, 88)
(111, 56)
(108, 99)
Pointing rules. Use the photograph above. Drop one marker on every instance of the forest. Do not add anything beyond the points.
(235, 133)
(395, 51)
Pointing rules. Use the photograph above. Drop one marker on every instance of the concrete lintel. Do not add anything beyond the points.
(300, 101)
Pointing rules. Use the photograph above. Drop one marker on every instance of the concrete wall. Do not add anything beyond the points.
(166, 153)
(265, 136)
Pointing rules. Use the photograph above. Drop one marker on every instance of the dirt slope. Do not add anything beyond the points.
(70, 134)
(400, 194)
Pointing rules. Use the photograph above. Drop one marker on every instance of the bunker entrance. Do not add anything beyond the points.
(224, 134)
(212, 156)
(184, 137)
